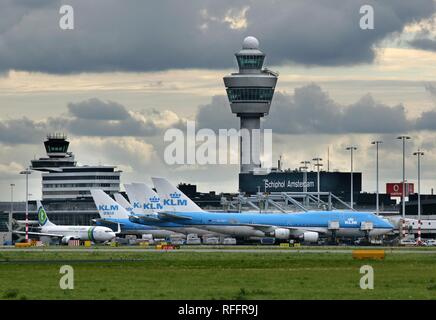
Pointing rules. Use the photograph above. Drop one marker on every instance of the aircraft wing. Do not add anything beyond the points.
(143, 218)
(39, 234)
(108, 221)
(30, 222)
(172, 216)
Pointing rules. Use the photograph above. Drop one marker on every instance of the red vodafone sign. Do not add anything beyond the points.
(396, 189)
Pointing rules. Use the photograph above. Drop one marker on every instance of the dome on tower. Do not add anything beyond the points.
(250, 43)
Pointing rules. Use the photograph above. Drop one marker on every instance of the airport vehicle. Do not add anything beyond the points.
(229, 241)
(305, 226)
(407, 242)
(193, 239)
(430, 242)
(211, 240)
(66, 233)
(112, 213)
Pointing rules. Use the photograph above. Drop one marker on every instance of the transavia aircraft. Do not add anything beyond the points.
(66, 233)
(306, 226)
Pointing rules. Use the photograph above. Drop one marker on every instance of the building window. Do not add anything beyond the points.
(250, 94)
(250, 61)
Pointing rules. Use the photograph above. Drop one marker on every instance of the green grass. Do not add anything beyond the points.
(195, 275)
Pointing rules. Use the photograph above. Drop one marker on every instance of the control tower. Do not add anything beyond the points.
(250, 92)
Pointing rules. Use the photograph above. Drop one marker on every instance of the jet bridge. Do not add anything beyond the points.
(284, 202)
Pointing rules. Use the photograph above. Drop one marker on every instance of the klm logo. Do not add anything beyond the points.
(136, 205)
(175, 200)
(153, 206)
(108, 209)
(351, 221)
(105, 207)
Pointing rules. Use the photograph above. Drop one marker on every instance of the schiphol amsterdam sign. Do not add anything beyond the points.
(287, 184)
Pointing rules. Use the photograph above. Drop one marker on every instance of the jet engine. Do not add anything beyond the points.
(310, 236)
(66, 239)
(282, 233)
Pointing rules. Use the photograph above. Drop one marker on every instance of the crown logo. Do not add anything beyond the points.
(175, 195)
(154, 199)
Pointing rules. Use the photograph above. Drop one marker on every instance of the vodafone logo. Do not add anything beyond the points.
(396, 189)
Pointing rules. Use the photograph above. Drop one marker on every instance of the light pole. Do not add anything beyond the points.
(12, 205)
(27, 172)
(351, 149)
(376, 174)
(317, 165)
(404, 138)
(305, 167)
(419, 154)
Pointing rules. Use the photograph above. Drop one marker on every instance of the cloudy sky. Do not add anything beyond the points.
(132, 69)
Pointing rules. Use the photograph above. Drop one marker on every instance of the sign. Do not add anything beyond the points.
(396, 189)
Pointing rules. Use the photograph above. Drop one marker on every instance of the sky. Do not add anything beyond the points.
(130, 70)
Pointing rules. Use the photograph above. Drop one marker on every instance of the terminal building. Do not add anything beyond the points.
(66, 185)
(63, 179)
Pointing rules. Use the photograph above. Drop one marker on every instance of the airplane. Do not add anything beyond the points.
(146, 198)
(112, 213)
(123, 202)
(66, 233)
(306, 226)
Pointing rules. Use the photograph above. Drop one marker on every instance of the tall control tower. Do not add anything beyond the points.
(250, 92)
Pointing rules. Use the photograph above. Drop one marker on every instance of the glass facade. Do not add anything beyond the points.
(250, 61)
(250, 94)
(63, 177)
(81, 185)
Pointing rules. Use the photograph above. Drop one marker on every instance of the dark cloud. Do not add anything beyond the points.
(96, 109)
(216, 115)
(424, 44)
(430, 89)
(427, 121)
(21, 131)
(311, 110)
(138, 35)
(92, 118)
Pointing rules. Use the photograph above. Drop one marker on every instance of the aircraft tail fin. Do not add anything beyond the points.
(149, 199)
(123, 202)
(107, 207)
(42, 215)
(173, 198)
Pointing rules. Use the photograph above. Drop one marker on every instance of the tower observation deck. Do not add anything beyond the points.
(250, 92)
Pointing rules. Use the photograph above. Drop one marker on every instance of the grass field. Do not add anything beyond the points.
(107, 274)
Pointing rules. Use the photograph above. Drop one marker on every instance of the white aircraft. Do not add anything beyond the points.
(66, 233)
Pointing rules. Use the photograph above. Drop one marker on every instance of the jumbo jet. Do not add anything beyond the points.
(66, 233)
(112, 213)
(307, 226)
(145, 197)
(145, 204)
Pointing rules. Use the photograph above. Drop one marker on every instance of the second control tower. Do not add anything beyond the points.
(250, 92)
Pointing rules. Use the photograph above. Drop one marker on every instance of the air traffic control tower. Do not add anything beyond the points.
(250, 92)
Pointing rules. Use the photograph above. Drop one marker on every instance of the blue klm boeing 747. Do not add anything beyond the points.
(307, 226)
